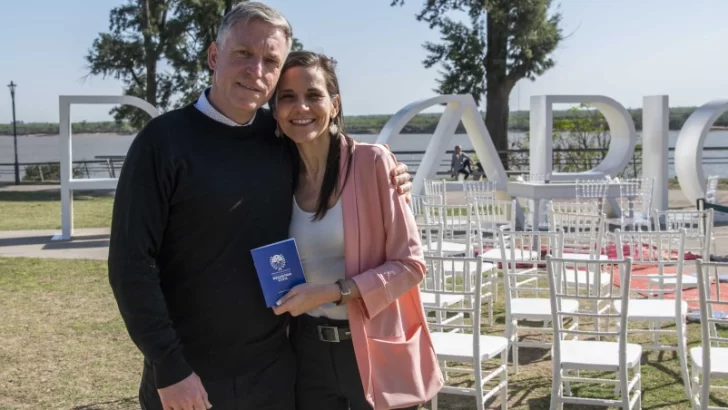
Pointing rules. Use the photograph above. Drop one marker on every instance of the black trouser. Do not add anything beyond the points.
(467, 169)
(271, 388)
(328, 376)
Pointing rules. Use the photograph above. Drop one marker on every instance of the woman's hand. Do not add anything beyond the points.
(307, 296)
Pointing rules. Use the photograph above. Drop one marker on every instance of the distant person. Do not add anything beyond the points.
(360, 333)
(191, 203)
(460, 164)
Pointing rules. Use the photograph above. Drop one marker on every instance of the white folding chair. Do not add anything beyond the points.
(698, 226)
(635, 202)
(610, 353)
(664, 251)
(460, 341)
(710, 360)
(526, 286)
(592, 189)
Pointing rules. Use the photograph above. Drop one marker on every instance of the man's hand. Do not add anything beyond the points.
(189, 394)
(401, 180)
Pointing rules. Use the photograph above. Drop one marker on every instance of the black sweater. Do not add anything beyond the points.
(194, 196)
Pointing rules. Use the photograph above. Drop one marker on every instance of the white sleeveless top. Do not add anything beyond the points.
(321, 247)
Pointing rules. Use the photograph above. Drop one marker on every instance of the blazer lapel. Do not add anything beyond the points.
(349, 210)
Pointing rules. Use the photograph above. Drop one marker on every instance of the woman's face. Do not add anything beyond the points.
(304, 106)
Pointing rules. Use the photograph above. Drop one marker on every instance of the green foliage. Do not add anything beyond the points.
(520, 34)
(83, 127)
(496, 44)
(580, 142)
(146, 35)
(47, 172)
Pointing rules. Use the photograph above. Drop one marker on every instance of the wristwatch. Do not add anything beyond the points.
(345, 292)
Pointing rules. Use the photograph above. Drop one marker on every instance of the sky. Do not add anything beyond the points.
(624, 49)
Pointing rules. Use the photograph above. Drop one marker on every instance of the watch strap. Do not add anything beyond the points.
(344, 290)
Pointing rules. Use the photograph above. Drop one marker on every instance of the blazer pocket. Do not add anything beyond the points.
(387, 325)
(404, 373)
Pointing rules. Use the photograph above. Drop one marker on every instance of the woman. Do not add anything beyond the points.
(360, 332)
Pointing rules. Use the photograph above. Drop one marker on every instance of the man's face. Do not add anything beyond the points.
(457, 150)
(246, 68)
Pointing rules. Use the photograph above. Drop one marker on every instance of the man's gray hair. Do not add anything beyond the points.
(253, 11)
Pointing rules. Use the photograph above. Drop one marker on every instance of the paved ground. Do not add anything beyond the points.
(86, 244)
(93, 243)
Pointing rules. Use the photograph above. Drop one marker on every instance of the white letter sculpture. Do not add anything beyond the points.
(459, 107)
(621, 127)
(655, 146)
(689, 148)
(621, 146)
(68, 183)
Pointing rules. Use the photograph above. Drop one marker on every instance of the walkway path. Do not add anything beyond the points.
(92, 243)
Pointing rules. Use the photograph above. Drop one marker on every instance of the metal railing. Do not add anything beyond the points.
(564, 160)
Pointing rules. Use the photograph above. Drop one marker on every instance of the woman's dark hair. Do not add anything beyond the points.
(333, 161)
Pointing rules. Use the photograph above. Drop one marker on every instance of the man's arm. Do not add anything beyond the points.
(139, 220)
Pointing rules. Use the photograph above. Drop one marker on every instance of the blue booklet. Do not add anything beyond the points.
(279, 269)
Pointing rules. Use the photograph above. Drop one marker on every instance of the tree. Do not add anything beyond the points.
(158, 49)
(499, 43)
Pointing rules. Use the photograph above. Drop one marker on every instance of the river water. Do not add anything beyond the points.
(87, 147)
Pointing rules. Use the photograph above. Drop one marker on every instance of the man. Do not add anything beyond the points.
(196, 194)
(459, 163)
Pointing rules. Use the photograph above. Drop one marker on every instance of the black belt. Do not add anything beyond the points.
(323, 328)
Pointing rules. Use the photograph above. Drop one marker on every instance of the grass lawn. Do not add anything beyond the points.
(42, 210)
(64, 346)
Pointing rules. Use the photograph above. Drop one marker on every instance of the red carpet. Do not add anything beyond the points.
(689, 295)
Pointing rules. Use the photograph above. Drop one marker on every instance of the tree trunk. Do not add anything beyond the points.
(151, 55)
(496, 119)
(228, 6)
(498, 88)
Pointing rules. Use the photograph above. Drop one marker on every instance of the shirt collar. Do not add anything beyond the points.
(204, 106)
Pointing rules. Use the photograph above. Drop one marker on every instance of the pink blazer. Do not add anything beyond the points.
(383, 255)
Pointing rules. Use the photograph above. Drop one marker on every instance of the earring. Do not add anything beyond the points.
(278, 133)
(333, 128)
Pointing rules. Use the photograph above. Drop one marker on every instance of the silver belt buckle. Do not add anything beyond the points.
(333, 329)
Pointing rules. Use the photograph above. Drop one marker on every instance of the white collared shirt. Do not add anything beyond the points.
(204, 106)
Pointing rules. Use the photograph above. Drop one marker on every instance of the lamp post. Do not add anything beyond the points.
(12, 86)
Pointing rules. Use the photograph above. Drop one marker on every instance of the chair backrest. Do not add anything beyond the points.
(450, 274)
(595, 189)
(583, 233)
(698, 226)
(636, 194)
(559, 272)
(483, 187)
(576, 207)
(418, 201)
(663, 251)
(523, 259)
(492, 214)
(436, 187)
(713, 311)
